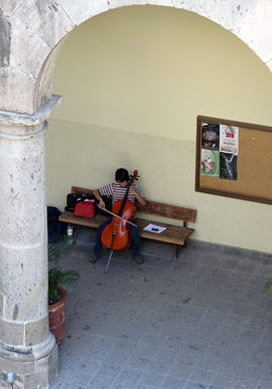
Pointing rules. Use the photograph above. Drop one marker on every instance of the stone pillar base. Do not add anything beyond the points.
(35, 369)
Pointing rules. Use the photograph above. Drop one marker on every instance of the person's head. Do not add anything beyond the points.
(122, 177)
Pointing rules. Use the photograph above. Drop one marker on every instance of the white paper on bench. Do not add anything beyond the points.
(154, 228)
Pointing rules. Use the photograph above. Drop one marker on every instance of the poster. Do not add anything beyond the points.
(210, 137)
(229, 139)
(210, 163)
(228, 166)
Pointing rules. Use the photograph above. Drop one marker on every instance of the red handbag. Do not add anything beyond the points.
(85, 209)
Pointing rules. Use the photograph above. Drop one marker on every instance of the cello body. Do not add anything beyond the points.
(116, 235)
(119, 228)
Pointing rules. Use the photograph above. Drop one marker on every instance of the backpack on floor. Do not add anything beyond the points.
(54, 226)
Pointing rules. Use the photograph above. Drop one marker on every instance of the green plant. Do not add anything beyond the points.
(268, 286)
(56, 275)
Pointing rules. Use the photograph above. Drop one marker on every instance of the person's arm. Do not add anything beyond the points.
(97, 195)
(139, 197)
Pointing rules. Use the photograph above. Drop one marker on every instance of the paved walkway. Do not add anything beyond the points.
(200, 323)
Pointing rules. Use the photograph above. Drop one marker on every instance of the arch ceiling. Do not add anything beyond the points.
(32, 33)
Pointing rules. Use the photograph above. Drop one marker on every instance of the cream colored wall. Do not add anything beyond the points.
(133, 81)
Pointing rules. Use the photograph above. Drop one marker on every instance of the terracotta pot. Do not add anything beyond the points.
(56, 315)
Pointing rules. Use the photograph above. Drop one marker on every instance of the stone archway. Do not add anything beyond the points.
(32, 32)
(31, 36)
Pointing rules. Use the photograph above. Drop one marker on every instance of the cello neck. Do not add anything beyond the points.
(132, 179)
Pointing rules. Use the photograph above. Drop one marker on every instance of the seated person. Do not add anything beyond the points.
(118, 190)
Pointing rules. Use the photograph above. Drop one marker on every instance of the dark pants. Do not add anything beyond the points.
(135, 239)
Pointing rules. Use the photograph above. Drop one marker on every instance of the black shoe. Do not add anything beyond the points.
(139, 260)
(93, 258)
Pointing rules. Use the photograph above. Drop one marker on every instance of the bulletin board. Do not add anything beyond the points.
(234, 159)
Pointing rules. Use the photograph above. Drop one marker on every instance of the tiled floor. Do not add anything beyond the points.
(199, 323)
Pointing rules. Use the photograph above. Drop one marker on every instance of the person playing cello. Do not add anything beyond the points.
(118, 190)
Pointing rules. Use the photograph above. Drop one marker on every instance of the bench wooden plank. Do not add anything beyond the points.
(69, 217)
(168, 211)
(80, 190)
(172, 234)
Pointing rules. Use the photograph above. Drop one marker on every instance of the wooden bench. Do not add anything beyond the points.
(174, 234)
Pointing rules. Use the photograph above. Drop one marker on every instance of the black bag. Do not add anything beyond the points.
(54, 226)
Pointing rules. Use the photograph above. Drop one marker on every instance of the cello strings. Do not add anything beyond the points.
(119, 217)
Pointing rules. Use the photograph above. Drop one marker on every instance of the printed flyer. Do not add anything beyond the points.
(210, 137)
(210, 163)
(228, 166)
(229, 139)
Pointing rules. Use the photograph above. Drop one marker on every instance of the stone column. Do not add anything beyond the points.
(27, 348)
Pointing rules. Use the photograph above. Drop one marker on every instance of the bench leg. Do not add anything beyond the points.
(176, 250)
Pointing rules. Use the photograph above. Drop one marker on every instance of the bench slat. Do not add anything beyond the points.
(79, 190)
(69, 217)
(168, 211)
(172, 234)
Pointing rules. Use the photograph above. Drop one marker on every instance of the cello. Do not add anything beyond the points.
(116, 235)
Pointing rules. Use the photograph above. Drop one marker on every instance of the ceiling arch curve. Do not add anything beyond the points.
(39, 27)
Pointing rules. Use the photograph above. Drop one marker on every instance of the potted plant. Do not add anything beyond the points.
(267, 286)
(58, 281)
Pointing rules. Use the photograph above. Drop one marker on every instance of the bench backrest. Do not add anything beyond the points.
(168, 211)
(79, 190)
(155, 208)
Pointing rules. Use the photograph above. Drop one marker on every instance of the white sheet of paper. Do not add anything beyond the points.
(154, 228)
(229, 139)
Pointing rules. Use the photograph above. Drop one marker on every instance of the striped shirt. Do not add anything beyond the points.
(117, 192)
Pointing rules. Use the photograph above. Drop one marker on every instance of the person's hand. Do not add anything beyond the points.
(101, 204)
(132, 191)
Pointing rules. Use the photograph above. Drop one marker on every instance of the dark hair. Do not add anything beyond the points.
(121, 175)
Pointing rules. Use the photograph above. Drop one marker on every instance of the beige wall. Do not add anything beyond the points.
(133, 81)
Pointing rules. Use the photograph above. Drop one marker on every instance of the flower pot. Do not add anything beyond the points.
(57, 316)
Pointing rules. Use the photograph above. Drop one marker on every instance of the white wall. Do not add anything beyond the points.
(133, 81)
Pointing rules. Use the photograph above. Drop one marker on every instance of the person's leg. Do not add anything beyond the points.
(135, 244)
(97, 250)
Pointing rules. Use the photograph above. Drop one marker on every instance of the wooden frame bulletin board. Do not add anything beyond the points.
(234, 159)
